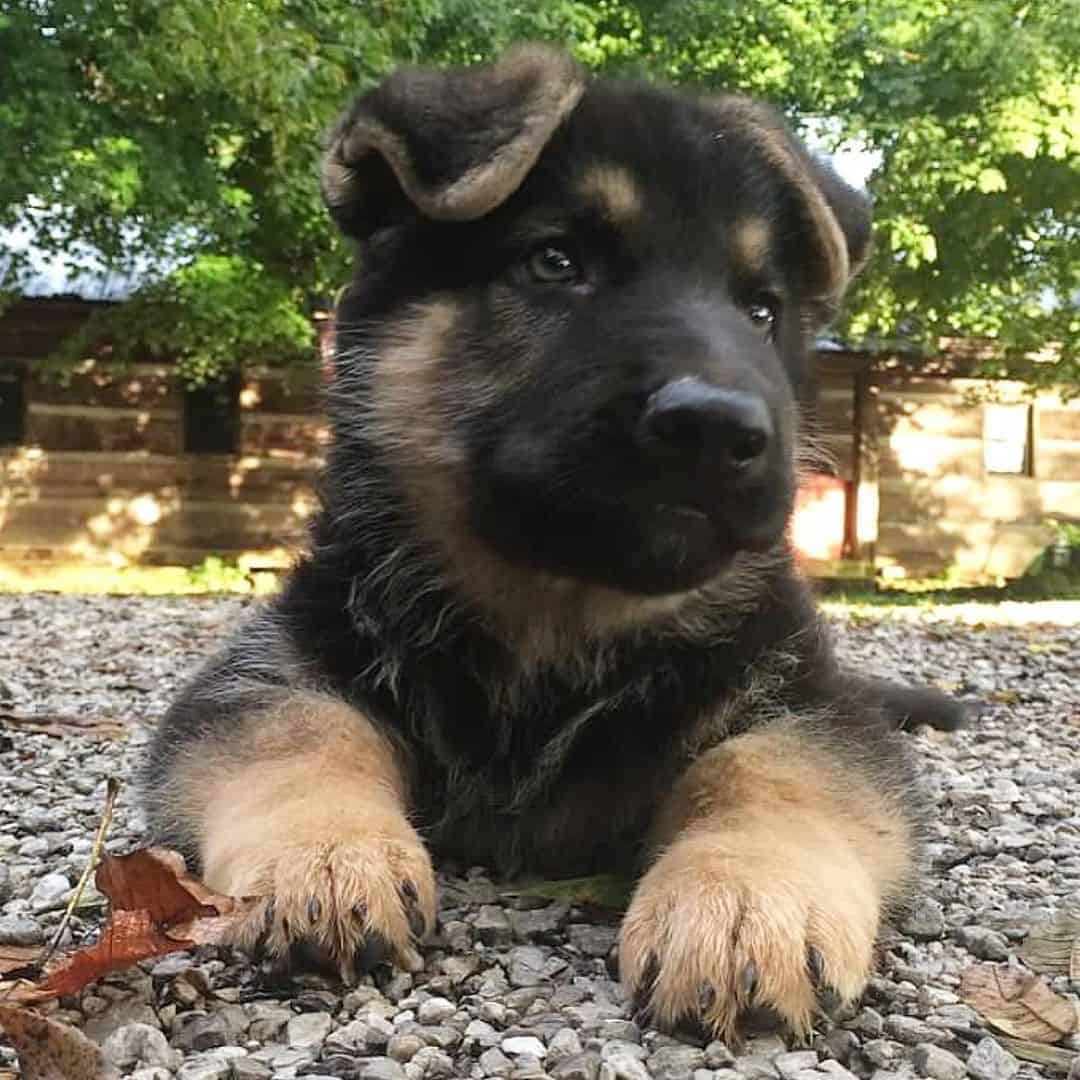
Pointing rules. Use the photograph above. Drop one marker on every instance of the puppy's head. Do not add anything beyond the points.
(578, 333)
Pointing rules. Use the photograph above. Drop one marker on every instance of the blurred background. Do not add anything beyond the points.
(167, 271)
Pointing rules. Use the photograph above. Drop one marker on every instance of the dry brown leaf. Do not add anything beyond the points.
(156, 908)
(49, 1050)
(1018, 1003)
(1053, 946)
(58, 725)
(17, 957)
(128, 937)
(1004, 697)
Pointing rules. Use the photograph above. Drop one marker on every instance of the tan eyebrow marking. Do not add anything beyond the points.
(615, 190)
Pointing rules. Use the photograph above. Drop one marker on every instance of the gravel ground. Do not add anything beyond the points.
(521, 989)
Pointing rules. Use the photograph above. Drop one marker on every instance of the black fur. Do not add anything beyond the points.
(556, 762)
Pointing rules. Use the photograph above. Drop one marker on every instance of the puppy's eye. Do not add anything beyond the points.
(551, 264)
(763, 310)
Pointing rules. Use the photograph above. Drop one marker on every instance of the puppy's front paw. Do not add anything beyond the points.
(722, 924)
(348, 896)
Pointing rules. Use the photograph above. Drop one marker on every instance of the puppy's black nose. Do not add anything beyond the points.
(725, 429)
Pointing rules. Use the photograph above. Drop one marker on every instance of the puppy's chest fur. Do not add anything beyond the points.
(556, 767)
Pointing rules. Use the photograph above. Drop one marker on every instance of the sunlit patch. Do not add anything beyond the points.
(750, 241)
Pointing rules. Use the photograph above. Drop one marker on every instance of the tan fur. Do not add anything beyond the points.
(557, 86)
(757, 123)
(306, 808)
(769, 846)
(615, 192)
(750, 241)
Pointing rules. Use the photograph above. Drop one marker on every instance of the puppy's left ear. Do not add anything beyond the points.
(831, 235)
(454, 143)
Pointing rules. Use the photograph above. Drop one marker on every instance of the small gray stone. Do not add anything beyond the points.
(622, 1066)
(368, 1034)
(495, 1063)
(990, 1061)
(925, 921)
(432, 1062)
(479, 1033)
(20, 930)
(526, 967)
(134, 1043)
(834, 1069)
(517, 1045)
(380, 1068)
(983, 943)
(540, 924)
(937, 1064)
(154, 1072)
(620, 1029)
(403, 1047)
(868, 1023)
(794, 1062)
(205, 1067)
(563, 1044)
(435, 1010)
(592, 940)
(756, 1067)
(911, 1031)
(203, 1032)
(492, 926)
(267, 1020)
(49, 893)
(884, 1053)
(717, 1055)
(675, 1062)
(308, 1029)
(247, 1068)
(584, 1066)
(841, 1044)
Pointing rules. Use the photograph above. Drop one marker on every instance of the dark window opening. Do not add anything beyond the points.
(212, 417)
(12, 408)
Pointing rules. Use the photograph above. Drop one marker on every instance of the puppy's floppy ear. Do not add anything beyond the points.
(454, 143)
(834, 217)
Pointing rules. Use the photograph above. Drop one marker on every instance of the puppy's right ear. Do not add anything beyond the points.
(452, 143)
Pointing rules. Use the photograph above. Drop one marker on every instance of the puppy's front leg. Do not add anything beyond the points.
(780, 852)
(304, 803)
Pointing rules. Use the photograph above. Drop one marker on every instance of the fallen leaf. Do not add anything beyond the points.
(1053, 947)
(128, 937)
(17, 957)
(49, 1050)
(59, 726)
(1004, 697)
(156, 908)
(1052, 1057)
(601, 890)
(1018, 1003)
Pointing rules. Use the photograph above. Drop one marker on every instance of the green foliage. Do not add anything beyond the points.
(187, 131)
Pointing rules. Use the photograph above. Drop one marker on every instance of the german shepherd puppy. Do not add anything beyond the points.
(549, 619)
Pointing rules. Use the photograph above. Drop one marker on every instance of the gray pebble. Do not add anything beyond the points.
(983, 943)
(523, 1044)
(585, 1066)
(493, 927)
(380, 1068)
(925, 921)
(49, 893)
(20, 930)
(205, 1067)
(675, 1062)
(990, 1061)
(435, 1010)
(308, 1029)
(526, 967)
(794, 1062)
(134, 1043)
(937, 1064)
